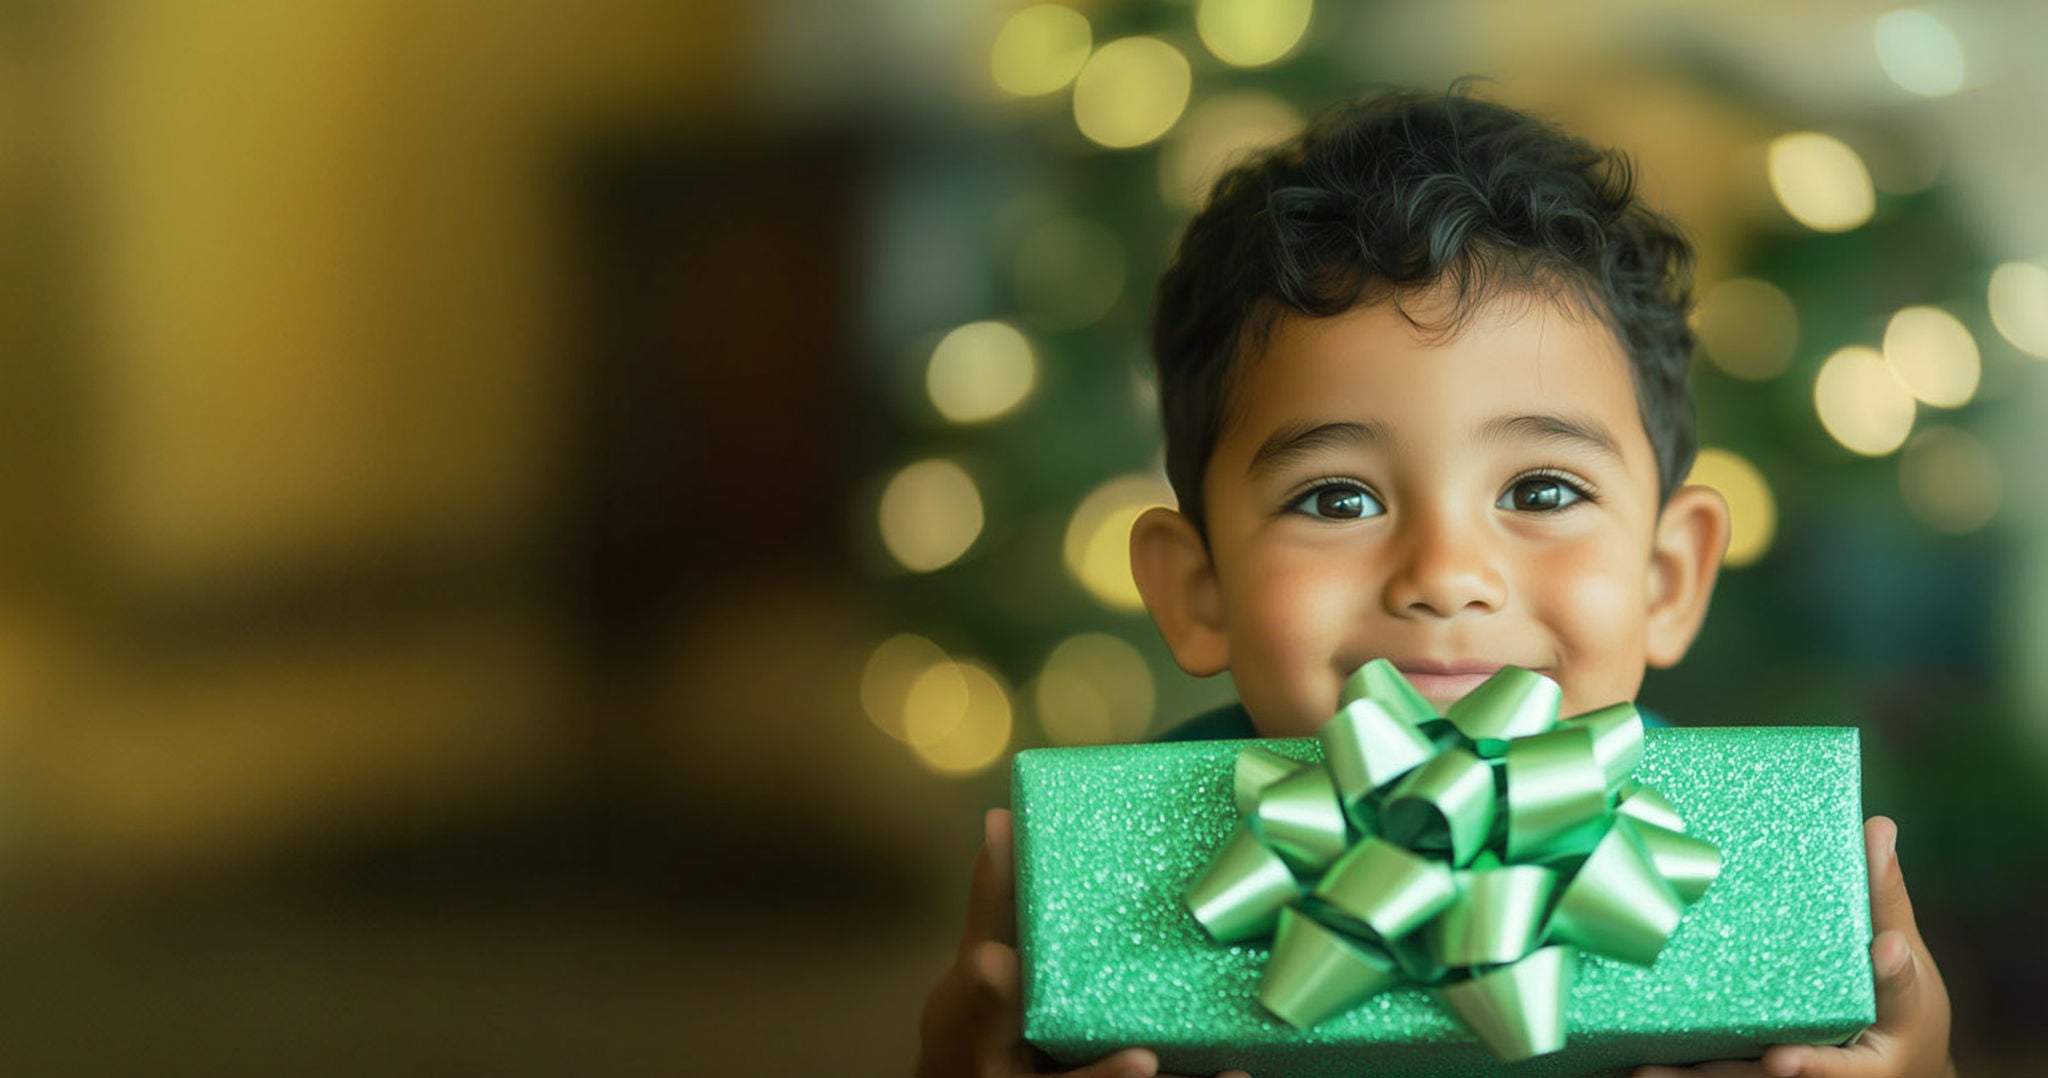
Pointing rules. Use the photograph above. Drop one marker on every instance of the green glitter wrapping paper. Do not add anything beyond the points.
(1777, 951)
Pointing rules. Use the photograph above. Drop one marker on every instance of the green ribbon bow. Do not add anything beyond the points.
(1477, 853)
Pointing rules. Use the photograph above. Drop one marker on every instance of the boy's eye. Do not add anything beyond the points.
(1540, 494)
(1339, 501)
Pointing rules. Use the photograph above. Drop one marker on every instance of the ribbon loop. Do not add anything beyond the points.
(1258, 767)
(1386, 889)
(1497, 917)
(1512, 703)
(1300, 818)
(1618, 905)
(1381, 682)
(1617, 731)
(1368, 746)
(1317, 973)
(1242, 894)
(1446, 805)
(1477, 853)
(1557, 795)
(1644, 803)
(1517, 1011)
(1689, 864)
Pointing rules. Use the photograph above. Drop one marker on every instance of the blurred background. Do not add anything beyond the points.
(532, 530)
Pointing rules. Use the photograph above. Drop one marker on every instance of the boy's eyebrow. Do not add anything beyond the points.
(1296, 440)
(1550, 428)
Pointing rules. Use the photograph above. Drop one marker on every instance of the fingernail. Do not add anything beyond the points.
(988, 828)
(1895, 963)
(1786, 1066)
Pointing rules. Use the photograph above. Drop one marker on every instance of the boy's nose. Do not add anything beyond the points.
(1445, 568)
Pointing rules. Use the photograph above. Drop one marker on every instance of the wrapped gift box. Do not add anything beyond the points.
(1777, 951)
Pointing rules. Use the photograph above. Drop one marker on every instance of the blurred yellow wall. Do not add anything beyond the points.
(315, 338)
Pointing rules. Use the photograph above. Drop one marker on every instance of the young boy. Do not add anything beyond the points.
(1423, 377)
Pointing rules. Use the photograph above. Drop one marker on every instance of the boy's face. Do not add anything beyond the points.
(1451, 505)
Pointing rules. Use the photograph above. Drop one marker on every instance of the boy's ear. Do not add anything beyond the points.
(1171, 565)
(1685, 558)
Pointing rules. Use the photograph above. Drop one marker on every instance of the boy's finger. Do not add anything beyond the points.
(993, 992)
(992, 972)
(1890, 908)
(971, 1018)
(1727, 1068)
(1813, 1061)
(1891, 956)
(1873, 1054)
(1129, 1063)
(992, 903)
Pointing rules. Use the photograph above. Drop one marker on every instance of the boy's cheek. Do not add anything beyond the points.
(1597, 619)
(1288, 631)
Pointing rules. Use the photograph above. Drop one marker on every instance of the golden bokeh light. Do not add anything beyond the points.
(1748, 328)
(1040, 49)
(887, 677)
(1095, 689)
(2019, 306)
(1820, 181)
(1752, 511)
(980, 371)
(1218, 133)
(1069, 272)
(1252, 33)
(934, 703)
(959, 720)
(1950, 480)
(1934, 355)
(1920, 53)
(1862, 403)
(1098, 543)
(930, 514)
(1131, 91)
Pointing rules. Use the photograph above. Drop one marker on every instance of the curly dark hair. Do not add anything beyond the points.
(1402, 192)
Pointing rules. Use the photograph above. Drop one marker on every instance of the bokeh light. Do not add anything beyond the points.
(1040, 49)
(1950, 480)
(2019, 306)
(1934, 355)
(958, 718)
(1095, 689)
(1098, 542)
(1920, 52)
(1131, 92)
(1748, 328)
(1069, 272)
(1219, 132)
(886, 679)
(1862, 403)
(1252, 33)
(1752, 511)
(1820, 181)
(930, 515)
(934, 703)
(980, 371)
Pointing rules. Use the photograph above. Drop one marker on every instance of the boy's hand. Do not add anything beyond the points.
(973, 1021)
(1910, 1039)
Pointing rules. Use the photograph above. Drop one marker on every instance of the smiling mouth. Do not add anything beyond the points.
(1444, 684)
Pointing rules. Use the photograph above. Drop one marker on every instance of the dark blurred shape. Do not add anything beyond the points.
(723, 389)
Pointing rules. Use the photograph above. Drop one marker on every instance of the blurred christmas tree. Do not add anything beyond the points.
(1847, 354)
